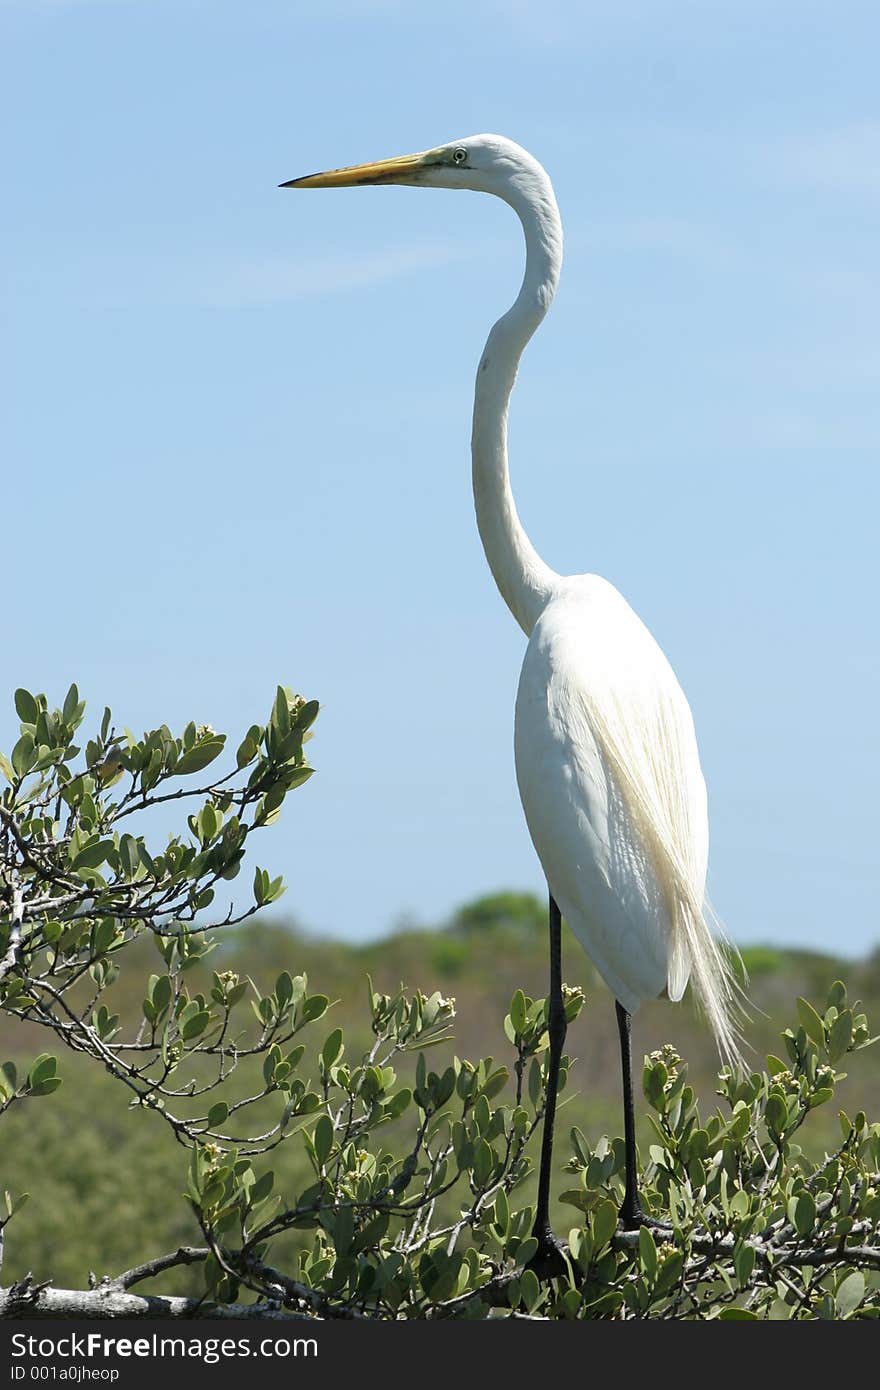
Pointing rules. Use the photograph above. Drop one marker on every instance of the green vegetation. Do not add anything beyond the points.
(271, 1099)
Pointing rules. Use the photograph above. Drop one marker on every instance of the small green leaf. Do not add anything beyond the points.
(813, 1024)
(26, 707)
(247, 751)
(820, 1096)
(313, 1008)
(195, 1025)
(776, 1113)
(71, 700)
(647, 1251)
(262, 1187)
(332, 1049)
(201, 754)
(518, 1011)
(840, 1036)
(603, 1224)
(44, 1067)
(744, 1263)
(24, 755)
(850, 1294)
(307, 714)
(802, 1213)
(46, 1087)
(323, 1139)
(529, 1289)
(670, 1271)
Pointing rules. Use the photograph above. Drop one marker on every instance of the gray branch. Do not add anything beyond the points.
(10, 957)
(29, 1300)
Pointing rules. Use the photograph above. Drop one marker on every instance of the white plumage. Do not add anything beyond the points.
(606, 755)
(615, 801)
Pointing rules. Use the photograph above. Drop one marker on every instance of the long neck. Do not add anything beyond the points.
(524, 580)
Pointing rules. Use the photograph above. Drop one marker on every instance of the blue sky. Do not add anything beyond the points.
(235, 434)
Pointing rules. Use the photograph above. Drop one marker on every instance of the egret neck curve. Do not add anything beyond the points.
(525, 582)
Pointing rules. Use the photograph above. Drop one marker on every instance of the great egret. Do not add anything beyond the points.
(606, 755)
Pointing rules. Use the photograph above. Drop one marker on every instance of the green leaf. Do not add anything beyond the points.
(776, 1113)
(739, 1205)
(813, 1024)
(281, 711)
(129, 857)
(670, 1271)
(647, 1252)
(201, 754)
(262, 1187)
(850, 1294)
(802, 1213)
(247, 751)
(195, 1025)
(654, 1078)
(71, 700)
(46, 1087)
(820, 1096)
(44, 1066)
(840, 1036)
(518, 1011)
(744, 1263)
(529, 1289)
(323, 1139)
(307, 714)
(26, 707)
(502, 1211)
(261, 885)
(91, 856)
(737, 1315)
(534, 1082)
(332, 1049)
(218, 1114)
(24, 755)
(603, 1224)
(313, 1008)
(484, 1161)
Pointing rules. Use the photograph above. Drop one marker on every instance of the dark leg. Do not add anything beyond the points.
(548, 1256)
(631, 1213)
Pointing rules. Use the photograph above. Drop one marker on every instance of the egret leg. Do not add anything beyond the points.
(549, 1247)
(631, 1214)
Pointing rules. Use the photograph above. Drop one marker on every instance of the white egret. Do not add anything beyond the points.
(606, 755)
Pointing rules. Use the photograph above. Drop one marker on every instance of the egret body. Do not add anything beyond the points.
(606, 754)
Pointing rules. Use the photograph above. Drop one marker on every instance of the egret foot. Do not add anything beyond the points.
(550, 1260)
(632, 1215)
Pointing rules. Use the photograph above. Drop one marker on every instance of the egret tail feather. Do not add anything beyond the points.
(644, 763)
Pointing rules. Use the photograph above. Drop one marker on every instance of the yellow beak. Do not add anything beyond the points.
(401, 169)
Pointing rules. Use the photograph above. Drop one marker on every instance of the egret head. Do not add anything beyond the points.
(486, 163)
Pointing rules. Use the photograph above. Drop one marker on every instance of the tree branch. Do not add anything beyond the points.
(29, 1300)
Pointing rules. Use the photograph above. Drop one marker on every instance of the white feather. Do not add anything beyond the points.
(606, 755)
(615, 801)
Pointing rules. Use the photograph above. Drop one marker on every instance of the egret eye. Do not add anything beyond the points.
(459, 156)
